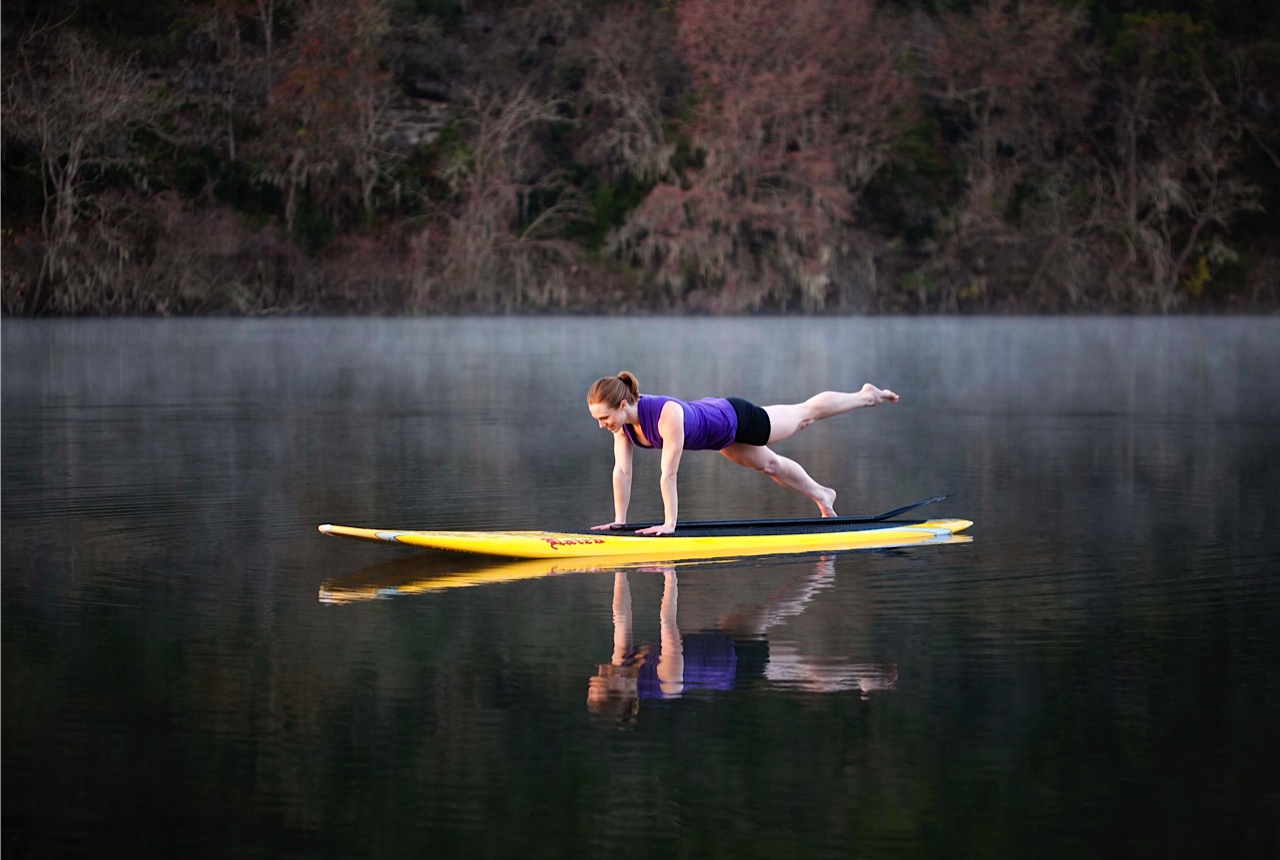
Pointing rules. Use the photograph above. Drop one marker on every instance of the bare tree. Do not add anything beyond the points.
(1167, 185)
(1013, 76)
(501, 225)
(78, 104)
(266, 12)
(372, 159)
(221, 26)
(622, 93)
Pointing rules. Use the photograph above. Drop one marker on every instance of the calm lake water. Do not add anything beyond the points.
(191, 670)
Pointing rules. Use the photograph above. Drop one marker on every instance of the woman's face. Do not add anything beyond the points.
(609, 418)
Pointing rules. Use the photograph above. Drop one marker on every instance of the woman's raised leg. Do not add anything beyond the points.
(788, 473)
(785, 420)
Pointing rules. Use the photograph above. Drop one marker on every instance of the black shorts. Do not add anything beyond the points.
(753, 422)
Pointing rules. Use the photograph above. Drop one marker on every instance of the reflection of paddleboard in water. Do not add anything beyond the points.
(691, 540)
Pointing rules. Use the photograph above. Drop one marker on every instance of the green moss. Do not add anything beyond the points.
(1199, 276)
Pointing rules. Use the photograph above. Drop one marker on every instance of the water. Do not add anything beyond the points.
(189, 669)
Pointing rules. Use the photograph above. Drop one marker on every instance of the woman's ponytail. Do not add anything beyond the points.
(612, 391)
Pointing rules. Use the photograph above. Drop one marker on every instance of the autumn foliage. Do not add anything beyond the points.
(791, 113)
(693, 155)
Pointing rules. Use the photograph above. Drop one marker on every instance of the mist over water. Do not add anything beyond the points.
(1096, 674)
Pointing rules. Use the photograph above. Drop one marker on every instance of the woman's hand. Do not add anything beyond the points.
(603, 526)
(664, 529)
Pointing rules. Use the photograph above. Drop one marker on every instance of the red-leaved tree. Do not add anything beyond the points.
(792, 120)
(326, 121)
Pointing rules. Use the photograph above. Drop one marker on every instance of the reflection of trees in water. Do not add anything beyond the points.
(734, 652)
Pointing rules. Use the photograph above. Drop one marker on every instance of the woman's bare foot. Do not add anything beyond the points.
(878, 395)
(825, 500)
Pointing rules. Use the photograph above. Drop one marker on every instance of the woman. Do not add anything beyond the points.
(736, 428)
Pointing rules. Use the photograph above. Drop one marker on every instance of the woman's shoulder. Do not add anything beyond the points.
(654, 401)
(660, 404)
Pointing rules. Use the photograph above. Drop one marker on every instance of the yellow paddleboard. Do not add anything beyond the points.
(417, 575)
(743, 539)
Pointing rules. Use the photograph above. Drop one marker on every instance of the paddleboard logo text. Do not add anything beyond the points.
(556, 543)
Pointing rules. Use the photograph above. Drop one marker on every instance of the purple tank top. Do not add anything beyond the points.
(709, 424)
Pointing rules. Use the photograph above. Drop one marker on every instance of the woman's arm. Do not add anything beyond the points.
(622, 449)
(671, 428)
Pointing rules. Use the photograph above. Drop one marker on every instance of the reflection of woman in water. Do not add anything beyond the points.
(719, 659)
(705, 660)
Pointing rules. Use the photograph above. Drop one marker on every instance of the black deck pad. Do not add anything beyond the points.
(769, 527)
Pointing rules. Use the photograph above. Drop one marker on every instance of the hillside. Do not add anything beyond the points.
(713, 156)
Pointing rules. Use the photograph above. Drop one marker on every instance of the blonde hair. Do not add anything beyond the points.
(613, 390)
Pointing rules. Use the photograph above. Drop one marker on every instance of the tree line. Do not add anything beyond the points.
(720, 156)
